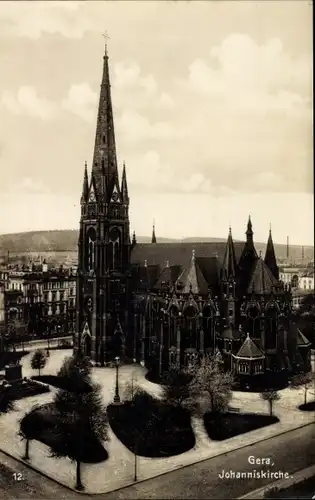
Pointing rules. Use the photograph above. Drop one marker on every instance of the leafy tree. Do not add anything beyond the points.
(305, 381)
(145, 420)
(27, 429)
(81, 415)
(6, 400)
(271, 397)
(209, 380)
(76, 372)
(39, 360)
(177, 391)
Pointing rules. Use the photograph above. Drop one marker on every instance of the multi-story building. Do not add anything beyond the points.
(306, 281)
(168, 304)
(49, 298)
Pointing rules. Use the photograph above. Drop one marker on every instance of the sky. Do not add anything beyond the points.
(212, 108)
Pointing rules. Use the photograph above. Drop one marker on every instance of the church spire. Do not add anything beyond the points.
(124, 186)
(153, 239)
(249, 231)
(270, 257)
(85, 188)
(104, 159)
(229, 261)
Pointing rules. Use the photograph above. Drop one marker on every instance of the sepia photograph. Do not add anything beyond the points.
(157, 299)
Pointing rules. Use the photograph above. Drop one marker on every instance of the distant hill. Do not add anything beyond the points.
(41, 242)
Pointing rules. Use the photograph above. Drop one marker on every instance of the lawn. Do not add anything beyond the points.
(227, 425)
(308, 406)
(151, 428)
(42, 425)
(63, 383)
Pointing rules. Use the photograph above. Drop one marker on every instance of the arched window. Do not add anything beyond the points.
(114, 249)
(271, 323)
(91, 237)
(252, 323)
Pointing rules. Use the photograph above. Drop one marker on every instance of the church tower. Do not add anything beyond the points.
(104, 241)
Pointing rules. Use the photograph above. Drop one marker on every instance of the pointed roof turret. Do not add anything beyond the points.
(85, 188)
(104, 159)
(124, 186)
(153, 239)
(134, 239)
(229, 261)
(192, 280)
(249, 350)
(262, 281)
(270, 257)
(248, 258)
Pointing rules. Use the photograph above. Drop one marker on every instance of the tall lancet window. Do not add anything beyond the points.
(114, 249)
(91, 249)
(271, 317)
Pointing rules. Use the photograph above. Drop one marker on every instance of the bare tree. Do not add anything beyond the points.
(39, 360)
(271, 397)
(305, 381)
(209, 380)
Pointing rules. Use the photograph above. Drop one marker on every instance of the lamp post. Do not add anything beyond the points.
(117, 397)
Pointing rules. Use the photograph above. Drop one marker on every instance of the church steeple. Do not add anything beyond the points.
(85, 188)
(229, 261)
(104, 168)
(270, 257)
(153, 239)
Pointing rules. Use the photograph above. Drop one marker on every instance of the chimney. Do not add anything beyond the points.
(287, 247)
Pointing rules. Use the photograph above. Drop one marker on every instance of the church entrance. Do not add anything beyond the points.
(87, 346)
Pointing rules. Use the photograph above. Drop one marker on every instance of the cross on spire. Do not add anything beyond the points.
(106, 37)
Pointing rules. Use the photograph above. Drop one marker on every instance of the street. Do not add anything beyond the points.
(289, 452)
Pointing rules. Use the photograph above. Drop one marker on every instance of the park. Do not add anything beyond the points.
(148, 429)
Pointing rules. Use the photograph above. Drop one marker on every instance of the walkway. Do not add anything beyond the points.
(117, 471)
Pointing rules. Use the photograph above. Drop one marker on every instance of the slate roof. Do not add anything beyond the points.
(167, 276)
(192, 279)
(180, 253)
(249, 350)
(262, 281)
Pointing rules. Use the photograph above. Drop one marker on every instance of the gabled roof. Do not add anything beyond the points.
(168, 276)
(249, 350)
(262, 281)
(146, 276)
(192, 279)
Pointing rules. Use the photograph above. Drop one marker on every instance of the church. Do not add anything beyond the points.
(167, 304)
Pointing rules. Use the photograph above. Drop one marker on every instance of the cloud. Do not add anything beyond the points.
(26, 101)
(81, 101)
(65, 18)
(128, 75)
(30, 186)
(134, 127)
(252, 77)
